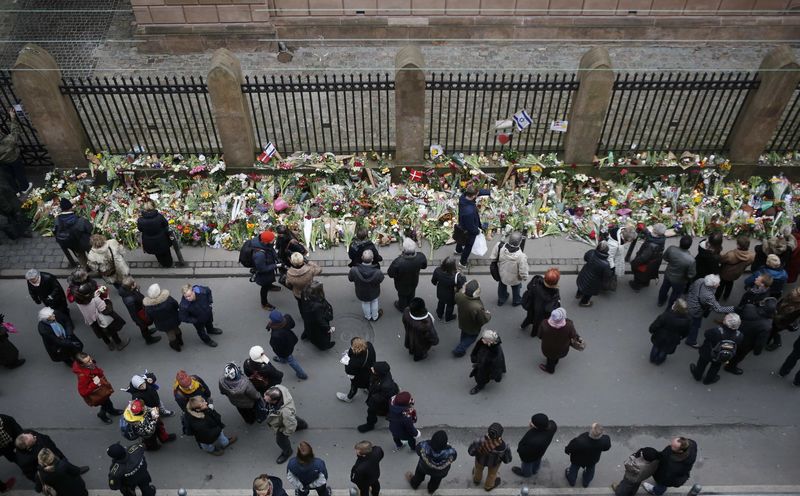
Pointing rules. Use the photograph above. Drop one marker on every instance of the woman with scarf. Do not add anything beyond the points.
(557, 334)
(488, 361)
(490, 451)
(420, 331)
(241, 393)
(143, 387)
(187, 386)
(58, 337)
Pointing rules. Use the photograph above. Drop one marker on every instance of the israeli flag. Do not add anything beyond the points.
(522, 120)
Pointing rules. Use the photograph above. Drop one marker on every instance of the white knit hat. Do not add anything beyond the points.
(153, 291)
(257, 354)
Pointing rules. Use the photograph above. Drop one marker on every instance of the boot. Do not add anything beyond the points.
(215, 330)
(150, 339)
(122, 344)
(283, 457)
(175, 345)
(16, 364)
(102, 416)
(210, 342)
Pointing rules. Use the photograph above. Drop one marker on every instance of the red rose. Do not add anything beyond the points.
(592, 234)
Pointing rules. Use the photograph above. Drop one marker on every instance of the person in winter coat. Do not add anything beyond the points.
(593, 274)
(265, 261)
(12, 165)
(282, 418)
(366, 471)
(557, 333)
(9, 354)
(420, 331)
(26, 447)
(405, 272)
(17, 223)
(143, 387)
(156, 236)
(9, 430)
(267, 485)
(512, 264)
(773, 269)
(469, 221)
(619, 239)
(755, 328)
(357, 248)
(733, 263)
(106, 258)
(145, 423)
(241, 393)
(471, 316)
(488, 360)
(282, 340)
(287, 244)
(635, 475)
(674, 466)
(128, 470)
(380, 391)
(360, 359)
(448, 282)
(133, 299)
(59, 475)
(93, 386)
(317, 317)
(701, 301)
(719, 346)
(188, 386)
(72, 233)
(709, 256)
(543, 297)
(680, 270)
(367, 278)
(45, 289)
(261, 373)
(648, 259)
(584, 452)
(195, 308)
(786, 314)
(206, 425)
(299, 276)
(402, 417)
(534, 444)
(490, 451)
(668, 330)
(77, 280)
(435, 459)
(164, 311)
(306, 472)
(99, 314)
(776, 245)
(758, 291)
(790, 362)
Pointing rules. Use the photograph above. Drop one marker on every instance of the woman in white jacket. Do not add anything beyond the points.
(619, 240)
(106, 258)
(512, 264)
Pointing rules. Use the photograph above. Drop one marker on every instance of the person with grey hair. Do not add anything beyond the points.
(512, 266)
(680, 270)
(719, 347)
(668, 330)
(488, 360)
(405, 272)
(593, 274)
(58, 337)
(648, 259)
(367, 278)
(584, 452)
(701, 300)
(45, 289)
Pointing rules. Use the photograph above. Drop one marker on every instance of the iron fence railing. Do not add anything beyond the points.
(32, 150)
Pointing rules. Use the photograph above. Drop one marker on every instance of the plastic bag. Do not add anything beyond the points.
(479, 248)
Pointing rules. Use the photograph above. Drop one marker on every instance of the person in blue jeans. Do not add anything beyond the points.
(675, 464)
(469, 220)
(667, 331)
(584, 452)
(471, 316)
(533, 445)
(680, 270)
(206, 425)
(282, 339)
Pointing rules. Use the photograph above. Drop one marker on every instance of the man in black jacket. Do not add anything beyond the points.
(206, 425)
(359, 246)
(26, 455)
(584, 452)
(367, 469)
(45, 289)
(129, 470)
(261, 373)
(718, 348)
(381, 389)
(674, 466)
(469, 220)
(533, 445)
(72, 233)
(405, 272)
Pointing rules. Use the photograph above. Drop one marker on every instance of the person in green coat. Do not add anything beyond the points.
(471, 316)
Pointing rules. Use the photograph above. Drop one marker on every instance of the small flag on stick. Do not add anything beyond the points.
(522, 120)
(266, 154)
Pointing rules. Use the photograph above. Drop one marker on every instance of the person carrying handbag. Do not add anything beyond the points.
(93, 386)
(639, 466)
(509, 268)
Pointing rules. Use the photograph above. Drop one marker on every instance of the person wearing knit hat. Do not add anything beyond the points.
(402, 417)
(540, 298)
(584, 452)
(196, 309)
(129, 470)
(187, 386)
(512, 268)
(241, 393)
(156, 234)
(490, 451)
(647, 261)
(405, 271)
(264, 263)
(488, 360)
(420, 333)
(144, 423)
(557, 334)
(282, 340)
(435, 459)
(718, 348)
(534, 444)
(164, 311)
(471, 316)
(72, 233)
(143, 387)
(773, 269)
(261, 373)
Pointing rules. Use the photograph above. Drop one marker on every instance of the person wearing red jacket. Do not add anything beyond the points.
(93, 386)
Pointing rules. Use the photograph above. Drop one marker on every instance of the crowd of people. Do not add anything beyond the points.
(693, 286)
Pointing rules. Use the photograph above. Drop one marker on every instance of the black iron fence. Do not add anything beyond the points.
(462, 110)
(32, 151)
(341, 114)
(157, 115)
(674, 111)
(787, 137)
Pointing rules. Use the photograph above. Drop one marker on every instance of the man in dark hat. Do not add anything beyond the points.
(533, 445)
(435, 459)
(129, 470)
(72, 233)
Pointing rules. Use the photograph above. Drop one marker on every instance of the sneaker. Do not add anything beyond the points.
(380, 314)
(343, 397)
(268, 307)
(587, 304)
(166, 413)
(648, 487)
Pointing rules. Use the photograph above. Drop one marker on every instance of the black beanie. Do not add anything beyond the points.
(471, 287)
(439, 440)
(116, 451)
(540, 421)
(64, 204)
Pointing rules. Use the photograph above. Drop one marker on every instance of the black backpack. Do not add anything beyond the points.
(246, 253)
(724, 350)
(64, 236)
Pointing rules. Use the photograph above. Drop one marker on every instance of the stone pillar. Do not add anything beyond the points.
(762, 109)
(589, 106)
(409, 101)
(231, 112)
(36, 80)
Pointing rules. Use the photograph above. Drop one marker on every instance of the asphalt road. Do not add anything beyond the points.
(746, 426)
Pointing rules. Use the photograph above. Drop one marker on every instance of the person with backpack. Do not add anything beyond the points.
(490, 451)
(540, 299)
(534, 444)
(242, 394)
(648, 259)
(584, 452)
(195, 308)
(72, 233)
(361, 244)
(128, 470)
(405, 272)
(420, 333)
(206, 425)
(512, 269)
(639, 466)
(718, 348)
(756, 324)
(448, 282)
(282, 340)
(259, 255)
(680, 270)
(366, 471)
(667, 331)
(156, 236)
(436, 457)
(139, 422)
(675, 463)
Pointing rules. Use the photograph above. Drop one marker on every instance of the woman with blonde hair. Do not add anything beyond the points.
(358, 363)
(106, 258)
(58, 476)
(268, 485)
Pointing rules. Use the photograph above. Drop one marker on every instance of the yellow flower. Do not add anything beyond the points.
(393, 222)
(726, 191)
(544, 210)
(385, 170)
(250, 226)
(536, 169)
(613, 202)
(751, 220)
(172, 221)
(697, 199)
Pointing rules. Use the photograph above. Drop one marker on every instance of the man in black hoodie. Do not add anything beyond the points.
(584, 452)
(674, 466)
(129, 470)
(381, 389)
(367, 278)
(367, 469)
(533, 445)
